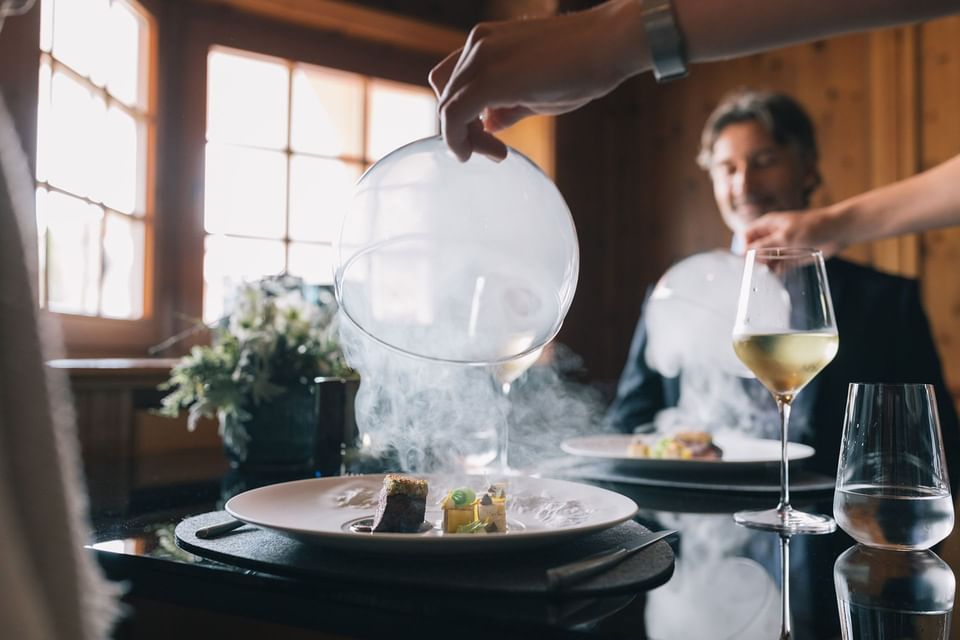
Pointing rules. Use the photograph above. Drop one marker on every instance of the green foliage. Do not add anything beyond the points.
(280, 335)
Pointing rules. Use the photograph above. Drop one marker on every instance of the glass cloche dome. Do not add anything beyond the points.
(472, 263)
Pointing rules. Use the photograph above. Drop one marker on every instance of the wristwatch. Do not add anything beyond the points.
(668, 54)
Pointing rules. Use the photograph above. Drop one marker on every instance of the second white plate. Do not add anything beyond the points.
(740, 454)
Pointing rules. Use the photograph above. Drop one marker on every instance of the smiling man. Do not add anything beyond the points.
(760, 151)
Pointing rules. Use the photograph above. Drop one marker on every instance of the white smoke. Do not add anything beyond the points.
(428, 416)
(689, 320)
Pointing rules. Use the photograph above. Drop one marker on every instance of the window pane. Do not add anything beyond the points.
(246, 100)
(312, 262)
(230, 261)
(123, 259)
(78, 34)
(319, 193)
(72, 229)
(124, 59)
(121, 171)
(73, 140)
(327, 112)
(246, 191)
(398, 114)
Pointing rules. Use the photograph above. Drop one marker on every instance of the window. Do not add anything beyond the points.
(286, 141)
(94, 124)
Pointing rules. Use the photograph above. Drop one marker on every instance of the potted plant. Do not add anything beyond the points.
(259, 376)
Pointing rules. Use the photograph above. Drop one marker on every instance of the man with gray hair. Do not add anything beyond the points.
(760, 151)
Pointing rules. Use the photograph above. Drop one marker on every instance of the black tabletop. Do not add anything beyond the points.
(727, 581)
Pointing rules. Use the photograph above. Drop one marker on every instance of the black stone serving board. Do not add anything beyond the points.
(517, 573)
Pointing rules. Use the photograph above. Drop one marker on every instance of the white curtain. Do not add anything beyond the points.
(51, 587)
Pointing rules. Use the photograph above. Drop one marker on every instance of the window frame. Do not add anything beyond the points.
(182, 34)
(202, 28)
(356, 160)
(86, 335)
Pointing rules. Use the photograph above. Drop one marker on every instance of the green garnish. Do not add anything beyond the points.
(463, 496)
(660, 449)
(476, 526)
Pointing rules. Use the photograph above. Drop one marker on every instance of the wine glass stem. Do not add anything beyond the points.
(783, 407)
(505, 429)
(786, 633)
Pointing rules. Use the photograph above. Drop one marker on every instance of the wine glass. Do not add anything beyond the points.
(892, 487)
(504, 375)
(786, 334)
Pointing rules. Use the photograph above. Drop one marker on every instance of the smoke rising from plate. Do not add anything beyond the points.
(428, 416)
(689, 321)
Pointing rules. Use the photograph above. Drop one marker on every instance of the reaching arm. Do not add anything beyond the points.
(508, 70)
(776, 24)
(928, 200)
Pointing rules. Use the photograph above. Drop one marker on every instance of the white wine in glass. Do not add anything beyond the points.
(786, 334)
(786, 362)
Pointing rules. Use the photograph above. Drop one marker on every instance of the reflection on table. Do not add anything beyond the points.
(894, 594)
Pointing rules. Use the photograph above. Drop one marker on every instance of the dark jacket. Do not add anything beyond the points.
(884, 337)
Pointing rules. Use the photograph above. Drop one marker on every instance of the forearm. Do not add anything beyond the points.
(721, 29)
(928, 200)
(718, 29)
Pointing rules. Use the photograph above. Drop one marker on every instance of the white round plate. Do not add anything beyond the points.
(322, 510)
(740, 454)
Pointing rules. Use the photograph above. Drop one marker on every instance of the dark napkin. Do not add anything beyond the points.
(521, 573)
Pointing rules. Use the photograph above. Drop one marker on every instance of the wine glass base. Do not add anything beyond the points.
(787, 521)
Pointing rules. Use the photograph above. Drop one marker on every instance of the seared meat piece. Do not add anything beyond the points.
(403, 501)
(700, 444)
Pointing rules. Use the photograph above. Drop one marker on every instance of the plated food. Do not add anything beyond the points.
(464, 512)
(741, 455)
(683, 445)
(339, 511)
(401, 508)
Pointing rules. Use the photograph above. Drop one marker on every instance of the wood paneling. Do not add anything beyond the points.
(894, 98)
(535, 138)
(626, 167)
(355, 22)
(940, 140)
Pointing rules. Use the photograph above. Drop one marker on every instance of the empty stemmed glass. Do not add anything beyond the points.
(504, 375)
(786, 334)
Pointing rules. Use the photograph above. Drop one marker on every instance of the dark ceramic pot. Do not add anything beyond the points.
(279, 434)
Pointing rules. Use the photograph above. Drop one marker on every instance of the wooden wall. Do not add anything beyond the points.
(885, 104)
(939, 140)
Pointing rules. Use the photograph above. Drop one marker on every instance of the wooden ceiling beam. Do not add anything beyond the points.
(355, 21)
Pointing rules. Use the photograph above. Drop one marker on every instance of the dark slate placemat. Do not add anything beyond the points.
(518, 573)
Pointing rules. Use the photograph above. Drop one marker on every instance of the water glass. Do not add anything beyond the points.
(892, 487)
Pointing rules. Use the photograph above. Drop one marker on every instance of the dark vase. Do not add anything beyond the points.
(336, 424)
(279, 435)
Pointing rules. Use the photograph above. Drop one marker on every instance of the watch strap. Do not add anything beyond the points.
(667, 50)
